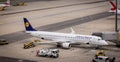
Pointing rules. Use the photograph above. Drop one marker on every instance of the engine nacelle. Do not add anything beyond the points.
(66, 45)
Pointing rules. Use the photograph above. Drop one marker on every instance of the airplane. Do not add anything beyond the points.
(3, 6)
(64, 40)
(114, 8)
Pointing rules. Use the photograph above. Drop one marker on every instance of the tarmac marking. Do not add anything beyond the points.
(8, 59)
(66, 12)
(1, 23)
(51, 7)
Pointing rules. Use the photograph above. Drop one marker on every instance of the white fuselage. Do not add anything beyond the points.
(68, 38)
(63, 39)
(4, 5)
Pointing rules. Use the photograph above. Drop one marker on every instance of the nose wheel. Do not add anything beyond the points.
(97, 47)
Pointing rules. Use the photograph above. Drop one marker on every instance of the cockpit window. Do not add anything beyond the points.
(99, 39)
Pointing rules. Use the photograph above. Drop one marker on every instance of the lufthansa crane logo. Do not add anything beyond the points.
(27, 24)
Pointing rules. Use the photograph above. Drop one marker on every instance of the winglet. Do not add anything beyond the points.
(72, 31)
(28, 26)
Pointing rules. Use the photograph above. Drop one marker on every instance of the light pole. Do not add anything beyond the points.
(116, 22)
(116, 25)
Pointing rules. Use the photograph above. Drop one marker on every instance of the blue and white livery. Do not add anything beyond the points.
(63, 39)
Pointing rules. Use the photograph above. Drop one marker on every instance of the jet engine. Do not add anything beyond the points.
(66, 45)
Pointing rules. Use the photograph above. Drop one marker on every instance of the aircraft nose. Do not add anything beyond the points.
(104, 42)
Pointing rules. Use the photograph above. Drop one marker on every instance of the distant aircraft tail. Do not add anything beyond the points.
(7, 3)
(28, 26)
(114, 7)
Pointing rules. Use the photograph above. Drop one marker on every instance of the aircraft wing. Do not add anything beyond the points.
(53, 41)
(45, 42)
(61, 40)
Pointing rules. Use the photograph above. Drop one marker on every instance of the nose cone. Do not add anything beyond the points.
(103, 42)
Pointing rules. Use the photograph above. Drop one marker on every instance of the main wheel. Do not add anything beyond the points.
(58, 45)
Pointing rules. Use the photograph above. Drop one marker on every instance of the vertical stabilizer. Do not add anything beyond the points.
(28, 26)
(114, 7)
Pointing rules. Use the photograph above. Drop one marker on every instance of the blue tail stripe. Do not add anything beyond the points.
(28, 25)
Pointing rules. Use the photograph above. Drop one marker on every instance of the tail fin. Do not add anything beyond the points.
(28, 25)
(7, 3)
(114, 7)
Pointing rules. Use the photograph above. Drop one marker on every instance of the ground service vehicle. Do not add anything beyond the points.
(103, 59)
(29, 45)
(48, 52)
(100, 53)
(3, 42)
(20, 4)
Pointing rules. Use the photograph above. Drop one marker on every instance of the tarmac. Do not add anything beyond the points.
(13, 23)
(75, 53)
(49, 16)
